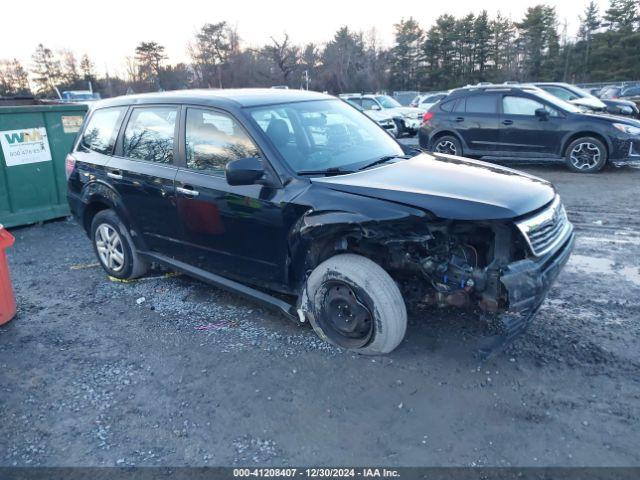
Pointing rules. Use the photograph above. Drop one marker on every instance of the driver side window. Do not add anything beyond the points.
(524, 106)
(370, 104)
(213, 139)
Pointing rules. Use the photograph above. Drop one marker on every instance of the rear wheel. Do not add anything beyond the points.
(586, 155)
(447, 144)
(356, 305)
(114, 247)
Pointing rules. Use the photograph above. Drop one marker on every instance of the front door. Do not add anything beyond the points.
(237, 231)
(524, 133)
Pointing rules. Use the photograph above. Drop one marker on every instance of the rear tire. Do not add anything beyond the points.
(353, 303)
(586, 155)
(447, 144)
(115, 248)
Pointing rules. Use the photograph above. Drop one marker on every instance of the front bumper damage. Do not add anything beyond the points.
(527, 283)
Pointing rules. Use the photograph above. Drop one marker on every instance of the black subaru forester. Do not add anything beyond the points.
(305, 204)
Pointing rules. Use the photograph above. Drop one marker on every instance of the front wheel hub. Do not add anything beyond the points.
(344, 318)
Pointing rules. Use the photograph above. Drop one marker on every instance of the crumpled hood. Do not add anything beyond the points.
(449, 187)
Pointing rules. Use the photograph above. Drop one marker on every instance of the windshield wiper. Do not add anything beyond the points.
(384, 159)
(327, 171)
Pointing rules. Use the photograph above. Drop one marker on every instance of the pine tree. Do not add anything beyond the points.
(622, 15)
(46, 71)
(87, 68)
(149, 58)
(589, 24)
(482, 44)
(69, 71)
(540, 44)
(405, 55)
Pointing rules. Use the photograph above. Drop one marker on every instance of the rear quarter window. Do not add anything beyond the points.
(448, 106)
(102, 130)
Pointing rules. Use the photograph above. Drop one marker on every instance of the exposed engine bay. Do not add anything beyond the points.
(454, 264)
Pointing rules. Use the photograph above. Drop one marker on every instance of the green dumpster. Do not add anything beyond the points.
(34, 141)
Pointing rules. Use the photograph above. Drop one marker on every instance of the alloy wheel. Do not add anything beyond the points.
(446, 146)
(109, 247)
(585, 156)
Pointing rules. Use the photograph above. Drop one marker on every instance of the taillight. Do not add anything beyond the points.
(427, 117)
(69, 165)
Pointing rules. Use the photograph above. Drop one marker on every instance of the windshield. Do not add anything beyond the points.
(557, 102)
(582, 93)
(324, 134)
(387, 102)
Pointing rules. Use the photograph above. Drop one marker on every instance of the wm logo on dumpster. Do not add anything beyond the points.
(25, 136)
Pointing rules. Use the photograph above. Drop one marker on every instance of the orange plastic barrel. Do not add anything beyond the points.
(7, 298)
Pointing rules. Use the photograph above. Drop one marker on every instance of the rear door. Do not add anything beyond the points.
(97, 142)
(476, 119)
(524, 133)
(143, 172)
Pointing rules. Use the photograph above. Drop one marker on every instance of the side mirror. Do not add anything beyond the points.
(542, 113)
(244, 171)
(375, 107)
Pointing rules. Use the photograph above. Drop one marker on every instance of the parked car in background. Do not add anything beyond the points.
(618, 92)
(257, 192)
(404, 97)
(573, 94)
(380, 117)
(79, 96)
(407, 118)
(427, 100)
(528, 123)
(580, 97)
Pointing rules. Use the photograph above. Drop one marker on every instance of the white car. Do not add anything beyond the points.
(428, 100)
(407, 119)
(379, 116)
(572, 94)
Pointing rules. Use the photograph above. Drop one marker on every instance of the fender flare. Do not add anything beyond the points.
(101, 192)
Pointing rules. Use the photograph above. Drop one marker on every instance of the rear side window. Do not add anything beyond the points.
(102, 130)
(448, 106)
(632, 91)
(213, 139)
(149, 134)
(482, 104)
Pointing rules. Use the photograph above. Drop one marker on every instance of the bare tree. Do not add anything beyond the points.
(284, 55)
(14, 79)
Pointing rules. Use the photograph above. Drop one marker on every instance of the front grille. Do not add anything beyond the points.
(546, 230)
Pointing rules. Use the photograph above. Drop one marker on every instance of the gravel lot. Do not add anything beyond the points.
(169, 371)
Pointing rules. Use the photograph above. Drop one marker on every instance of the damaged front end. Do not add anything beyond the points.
(504, 267)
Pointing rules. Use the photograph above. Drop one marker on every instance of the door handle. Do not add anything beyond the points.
(460, 119)
(115, 174)
(507, 122)
(187, 191)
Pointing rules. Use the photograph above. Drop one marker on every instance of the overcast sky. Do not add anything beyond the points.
(109, 30)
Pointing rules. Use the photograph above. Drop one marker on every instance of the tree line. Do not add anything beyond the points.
(452, 52)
